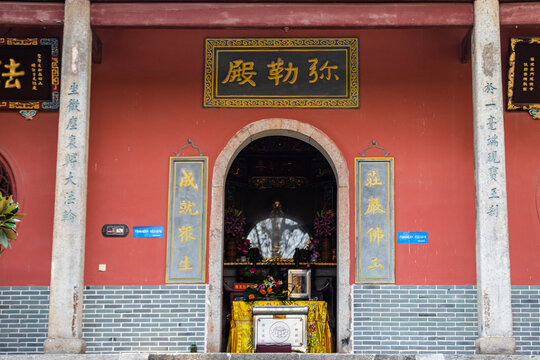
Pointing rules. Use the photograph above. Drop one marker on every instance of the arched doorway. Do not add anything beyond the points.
(280, 198)
(315, 137)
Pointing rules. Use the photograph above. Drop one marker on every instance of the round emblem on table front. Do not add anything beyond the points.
(280, 332)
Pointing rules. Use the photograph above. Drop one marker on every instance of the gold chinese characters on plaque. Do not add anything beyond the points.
(281, 73)
(186, 235)
(374, 213)
(29, 74)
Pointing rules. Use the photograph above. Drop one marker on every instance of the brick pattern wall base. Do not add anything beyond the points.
(387, 319)
(164, 318)
(411, 319)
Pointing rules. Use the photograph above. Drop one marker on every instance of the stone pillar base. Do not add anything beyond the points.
(64, 346)
(496, 345)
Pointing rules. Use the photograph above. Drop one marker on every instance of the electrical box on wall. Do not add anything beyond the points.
(115, 230)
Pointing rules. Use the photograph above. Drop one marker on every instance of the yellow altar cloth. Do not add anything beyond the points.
(319, 339)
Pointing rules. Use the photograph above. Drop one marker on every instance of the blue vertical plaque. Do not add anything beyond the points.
(374, 216)
(186, 235)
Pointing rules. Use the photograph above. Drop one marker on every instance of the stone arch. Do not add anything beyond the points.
(318, 139)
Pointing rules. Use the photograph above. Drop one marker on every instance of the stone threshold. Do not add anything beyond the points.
(262, 356)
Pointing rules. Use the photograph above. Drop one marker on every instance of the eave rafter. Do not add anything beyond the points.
(267, 15)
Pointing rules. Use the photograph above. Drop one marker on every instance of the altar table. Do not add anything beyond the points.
(319, 339)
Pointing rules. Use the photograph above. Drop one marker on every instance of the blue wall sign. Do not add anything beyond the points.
(412, 237)
(148, 231)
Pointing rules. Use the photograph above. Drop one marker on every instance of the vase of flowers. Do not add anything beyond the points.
(324, 226)
(234, 230)
(269, 289)
(230, 249)
(314, 249)
(242, 247)
(326, 250)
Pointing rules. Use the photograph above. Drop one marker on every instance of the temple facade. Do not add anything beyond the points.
(396, 122)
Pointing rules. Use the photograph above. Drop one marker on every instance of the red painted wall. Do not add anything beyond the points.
(415, 100)
(30, 149)
(523, 180)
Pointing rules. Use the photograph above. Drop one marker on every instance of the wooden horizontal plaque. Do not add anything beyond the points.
(29, 74)
(281, 73)
(524, 74)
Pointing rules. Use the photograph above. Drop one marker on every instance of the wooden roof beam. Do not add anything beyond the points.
(25, 14)
(519, 13)
(275, 15)
(265, 15)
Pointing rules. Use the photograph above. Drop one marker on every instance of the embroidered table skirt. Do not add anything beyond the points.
(319, 339)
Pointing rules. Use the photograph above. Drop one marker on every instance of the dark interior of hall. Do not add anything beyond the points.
(279, 176)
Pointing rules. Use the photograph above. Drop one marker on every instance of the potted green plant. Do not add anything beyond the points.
(8, 221)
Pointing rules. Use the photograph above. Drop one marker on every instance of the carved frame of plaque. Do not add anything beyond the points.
(32, 76)
(374, 220)
(254, 85)
(513, 78)
(187, 214)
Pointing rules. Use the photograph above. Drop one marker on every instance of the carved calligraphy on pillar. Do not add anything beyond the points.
(495, 149)
(72, 157)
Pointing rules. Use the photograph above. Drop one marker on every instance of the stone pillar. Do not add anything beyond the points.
(67, 267)
(492, 255)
